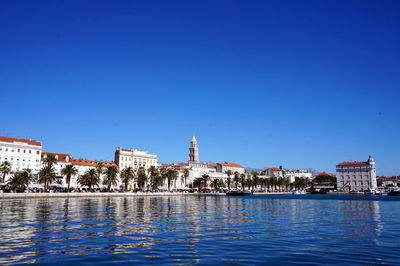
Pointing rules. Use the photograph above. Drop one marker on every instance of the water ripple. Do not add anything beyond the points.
(191, 229)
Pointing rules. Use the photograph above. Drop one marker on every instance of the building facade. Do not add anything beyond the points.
(275, 172)
(20, 153)
(234, 167)
(134, 158)
(356, 176)
(300, 173)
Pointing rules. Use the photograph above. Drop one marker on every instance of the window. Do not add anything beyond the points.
(37, 152)
(19, 150)
(24, 151)
(29, 151)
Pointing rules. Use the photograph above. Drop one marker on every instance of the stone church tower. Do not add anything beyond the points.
(193, 151)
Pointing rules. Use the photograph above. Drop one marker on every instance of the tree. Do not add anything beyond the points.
(155, 177)
(20, 181)
(50, 160)
(273, 182)
(68, 171)
(205, 178)
(255, 179)
(172, 175)
(324, 178)
(217, 184)
(164, 174)
(141, 177)
(90, 178)
(47, 175)
(5, 169)
(299, 183)
(185, 175)
(228, 173)
(242, 178)
(228, 183)
(110, 177)
(127, 174)
(99, 170)
(236, 179)
(198, 182)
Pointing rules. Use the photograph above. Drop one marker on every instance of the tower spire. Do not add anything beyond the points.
(193, 151)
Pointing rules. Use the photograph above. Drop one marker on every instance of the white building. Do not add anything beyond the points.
(234, 167)
(273, 171)
(356, 176)
(300, 173)
(20, 153)
(134, 158)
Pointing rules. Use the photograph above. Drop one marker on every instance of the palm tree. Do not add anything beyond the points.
(236, 179)
(228, 173)
(273, 180)
(228, 183)
(164, 174)
(172, 175)
(69, 171)
(155, 177)
(205, 178)
(47, 175)
(255, 180)
(99, 170)
(5, 169)
(111, 177)
(141, 177)
(89, 178)
(217, 184)
(185, 174)
(197, 182)
(242, 179)
(50, 160)
(127, 174)
(20, 181)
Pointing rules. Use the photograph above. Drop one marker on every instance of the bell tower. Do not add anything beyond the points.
(193, 151)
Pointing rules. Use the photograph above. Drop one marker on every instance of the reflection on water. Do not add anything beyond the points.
(199, 229)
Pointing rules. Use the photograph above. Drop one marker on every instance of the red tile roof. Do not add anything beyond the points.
(85, 162)
(61, 157)
(324, 174)
(352, 163)
(231, 165)
(28, 141)
(383, 178)
(274, 169)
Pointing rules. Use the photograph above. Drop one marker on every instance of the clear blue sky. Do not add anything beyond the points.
(262, 83)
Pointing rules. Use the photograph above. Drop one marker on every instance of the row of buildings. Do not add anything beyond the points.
(26, 153)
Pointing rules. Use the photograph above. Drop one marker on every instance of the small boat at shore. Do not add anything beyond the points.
(238, 193)
(357, 193)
